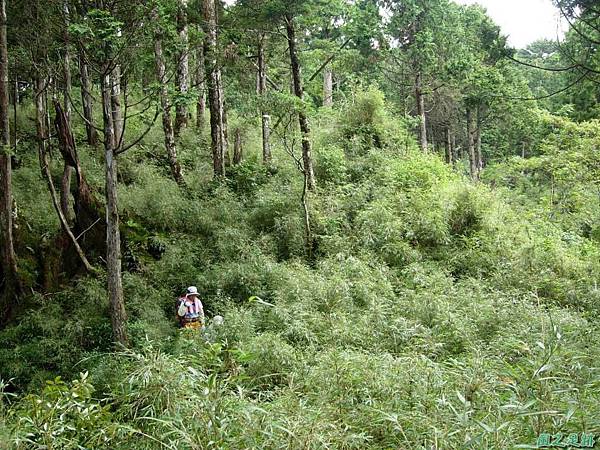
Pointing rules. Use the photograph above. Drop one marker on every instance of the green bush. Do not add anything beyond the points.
(364, 118)
(63, 416)
(330, 165)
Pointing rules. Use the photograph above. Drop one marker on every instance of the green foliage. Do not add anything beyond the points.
(246, 177)
(365, 123)
(100, 31)
(435, 312)
(365, 115)
(331, 166)
(63, 416)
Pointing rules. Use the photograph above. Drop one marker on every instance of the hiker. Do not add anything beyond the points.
(211, 329)
(190, 310)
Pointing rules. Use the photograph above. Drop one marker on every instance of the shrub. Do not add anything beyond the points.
(364, 118)
(330, 166)
(272, 362)
(63, 416)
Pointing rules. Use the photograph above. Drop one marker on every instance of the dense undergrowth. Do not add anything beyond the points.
(437, 313)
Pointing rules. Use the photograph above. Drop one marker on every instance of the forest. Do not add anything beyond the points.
(390, 216)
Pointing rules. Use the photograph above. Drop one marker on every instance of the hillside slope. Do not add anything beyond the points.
(435, 313)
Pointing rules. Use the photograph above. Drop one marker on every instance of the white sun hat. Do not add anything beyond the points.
(192, 290)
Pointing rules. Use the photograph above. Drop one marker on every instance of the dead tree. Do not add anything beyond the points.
(88, 210)
(42, 136)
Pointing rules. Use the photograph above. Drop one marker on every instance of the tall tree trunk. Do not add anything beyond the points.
(87, 101)
(166, 111)
(237, 147)
(420, 99)
(67, 86)
(471, 125)
(65, 190)
(455, 151)
(448, 144)
(15, 118)
(224, 128)
(113, 238)
(308, 240)
(201, 86)
(11, 285)
(115, 99)
(327, 87)
(183, 75)
(266, 137)
(261, 91)
(478, 154)
(215, 99)
(298, 92)
(452, 143)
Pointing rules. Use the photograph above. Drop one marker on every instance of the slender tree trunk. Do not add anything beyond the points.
(183, 75)
(201, 85)
(266, 137)
(448, 142)
(166, 111)
(65, 190)
(115, 80)
(452, 144)
(224, 128)
(308, 241)
(237, 147)
(261, 74)
(298, 92)
(113, 238)
(15, 117)
(420, 99)
(455, 151)
(261, 91)
(11, 287)
(87, 101)
(479, 156)
(67, 65)
(327, 87)
(215, 99)
(471, 125)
